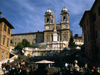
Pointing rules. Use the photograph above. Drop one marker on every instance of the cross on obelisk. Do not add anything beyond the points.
(0, 14)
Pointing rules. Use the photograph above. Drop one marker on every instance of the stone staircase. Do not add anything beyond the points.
(4, 61)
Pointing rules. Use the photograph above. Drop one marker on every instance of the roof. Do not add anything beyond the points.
(6, 22)
(64, 9)
(26, 33)
(76, 37)
(94, 4)
(88, 11)
(48, 10)
(83, 17)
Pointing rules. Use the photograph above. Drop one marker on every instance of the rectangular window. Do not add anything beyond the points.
(95, 34)
(84, 27)
(4, 37)
(99, 10)
(8, 30)
(94, 17)
(89, 52)
(36, 36)
(6, 55)
(2, 54)
(87, 22)
(97, 50)
(36, 40)
(88, 38)
(15, 43)
(7, 42)
(85, 39)
(75, 40)
(99, 32)
(4, 27)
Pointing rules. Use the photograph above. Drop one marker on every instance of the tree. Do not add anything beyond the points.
(71, 42)
(25, 43)
(11, 42)
(19, 46)
(76, 35)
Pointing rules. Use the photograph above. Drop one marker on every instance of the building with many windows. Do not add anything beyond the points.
(46, 37)
(90, 24)
(32, 37)
(5, 35)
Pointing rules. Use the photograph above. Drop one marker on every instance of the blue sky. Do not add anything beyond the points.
(28, 15)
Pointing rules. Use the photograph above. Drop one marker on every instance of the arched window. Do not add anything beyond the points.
(64, 19)
(47, 20)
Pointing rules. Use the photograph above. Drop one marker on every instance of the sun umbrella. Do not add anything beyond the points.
(45, 61)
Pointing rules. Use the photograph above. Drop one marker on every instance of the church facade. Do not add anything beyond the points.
(63, 31)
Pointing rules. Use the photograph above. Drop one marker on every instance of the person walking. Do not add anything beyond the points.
(4, 69)
(86, 67)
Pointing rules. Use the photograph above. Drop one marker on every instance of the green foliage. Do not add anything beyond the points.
(19, 46)
(25, 43)
(71, 42)
(11, 41)
(34, 46)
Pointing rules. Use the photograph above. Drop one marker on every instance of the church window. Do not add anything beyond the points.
(47, 20)
(64, 19)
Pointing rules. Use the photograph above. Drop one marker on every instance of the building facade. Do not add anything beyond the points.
(46, 37)
(32, 37)
(90, 24)
(63, 30)
(5, 36)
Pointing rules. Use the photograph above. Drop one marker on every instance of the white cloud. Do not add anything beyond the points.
(28, 15)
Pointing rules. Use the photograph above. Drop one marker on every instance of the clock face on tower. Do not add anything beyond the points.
(47, 27)
(64, 26)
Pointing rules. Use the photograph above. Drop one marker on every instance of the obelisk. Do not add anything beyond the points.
(55, 31)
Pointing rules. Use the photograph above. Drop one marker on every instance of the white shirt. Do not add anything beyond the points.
(66, 64)
(4, 69)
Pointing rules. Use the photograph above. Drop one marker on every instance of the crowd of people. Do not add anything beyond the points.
(30, 68)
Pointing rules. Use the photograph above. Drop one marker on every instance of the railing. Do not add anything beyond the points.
(10, 59)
